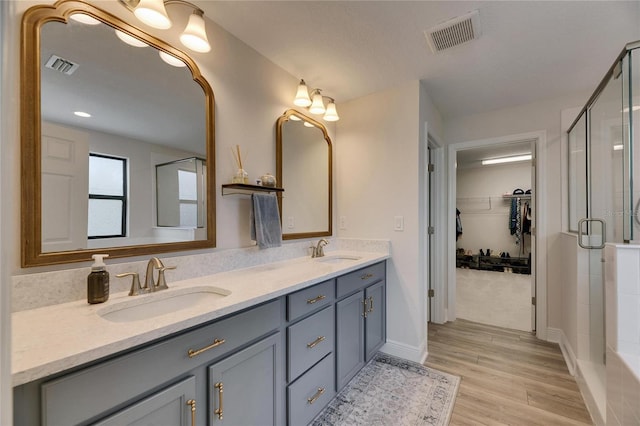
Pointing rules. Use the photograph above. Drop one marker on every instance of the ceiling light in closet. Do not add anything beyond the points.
(511, 159)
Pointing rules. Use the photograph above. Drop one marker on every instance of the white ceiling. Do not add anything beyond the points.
(528, 51)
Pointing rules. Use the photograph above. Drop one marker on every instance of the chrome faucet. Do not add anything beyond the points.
(318, 249)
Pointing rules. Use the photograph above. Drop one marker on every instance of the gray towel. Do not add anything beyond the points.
(265, 221)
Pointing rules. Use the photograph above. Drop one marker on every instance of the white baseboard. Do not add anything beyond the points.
(405, 351)
(556, 335)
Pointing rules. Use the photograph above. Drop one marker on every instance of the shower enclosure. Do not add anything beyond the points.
(604, 188)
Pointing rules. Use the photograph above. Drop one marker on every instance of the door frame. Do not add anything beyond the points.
(540, 262)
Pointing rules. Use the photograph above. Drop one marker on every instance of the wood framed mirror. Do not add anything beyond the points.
(304, 168)
(89, 183)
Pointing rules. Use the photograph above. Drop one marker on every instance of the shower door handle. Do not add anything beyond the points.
(581, 234)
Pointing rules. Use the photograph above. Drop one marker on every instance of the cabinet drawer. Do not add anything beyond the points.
(308, 300)
(96, 390)
(357, 279)
(309, 341)
(311, 392)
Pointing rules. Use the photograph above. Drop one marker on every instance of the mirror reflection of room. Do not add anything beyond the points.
(493, 246)
(103, 133)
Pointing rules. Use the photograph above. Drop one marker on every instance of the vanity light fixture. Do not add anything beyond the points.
(154, 14)
(317, 105)
(331, 114)
(307, 124)
(171, 60)
(84, 19)
(130, 40)
(302, 95)
(506, 159)
(315, 102)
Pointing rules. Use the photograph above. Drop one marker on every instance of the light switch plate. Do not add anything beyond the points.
(291, 222)
(398, 223)
(343, 222)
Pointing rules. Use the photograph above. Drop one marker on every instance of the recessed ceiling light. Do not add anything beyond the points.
(618, 147)
(82, 114)
(506, 159)
(633, 108)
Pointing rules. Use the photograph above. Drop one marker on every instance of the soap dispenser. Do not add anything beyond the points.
(98, 280)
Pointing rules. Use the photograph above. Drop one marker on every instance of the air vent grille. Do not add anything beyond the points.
(454, 32)
(62, 65)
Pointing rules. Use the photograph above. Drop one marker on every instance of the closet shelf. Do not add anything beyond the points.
(521, 196)
(243, 188)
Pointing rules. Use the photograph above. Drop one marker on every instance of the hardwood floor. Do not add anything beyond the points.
(509, 377)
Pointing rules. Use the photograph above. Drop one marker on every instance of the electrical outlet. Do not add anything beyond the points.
(398, 223)
(291, 223)
(343, 222)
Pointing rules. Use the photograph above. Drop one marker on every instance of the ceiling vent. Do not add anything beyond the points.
(62, 65)
(454, 32)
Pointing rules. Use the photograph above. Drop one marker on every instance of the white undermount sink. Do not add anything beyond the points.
(337, 258)
(147, 306)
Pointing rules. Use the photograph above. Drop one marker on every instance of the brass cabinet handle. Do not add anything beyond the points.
(196, 352)
(316, 396)
(315, 342)
(192, 403)
(366, 276)
(370, 304)
(364, 308)
(219, 411)
(316, 299)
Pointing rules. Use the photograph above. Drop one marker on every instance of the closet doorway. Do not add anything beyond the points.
(492, 275)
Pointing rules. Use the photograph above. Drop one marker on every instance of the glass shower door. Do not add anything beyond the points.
(605, 202)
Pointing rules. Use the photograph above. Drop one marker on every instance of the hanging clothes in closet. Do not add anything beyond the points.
(515, 216)
(458, 225)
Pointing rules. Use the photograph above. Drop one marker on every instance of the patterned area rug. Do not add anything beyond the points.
(393, 391)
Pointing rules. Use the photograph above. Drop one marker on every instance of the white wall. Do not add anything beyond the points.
(484, 213)
(377, 165)
(7, 116)
(532, 117)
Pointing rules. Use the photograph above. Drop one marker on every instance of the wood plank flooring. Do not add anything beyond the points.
(509, 377)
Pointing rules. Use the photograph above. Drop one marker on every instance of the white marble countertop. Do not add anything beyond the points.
(55, 338)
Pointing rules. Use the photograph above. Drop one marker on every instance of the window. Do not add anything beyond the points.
(188, 197)
(107, 196)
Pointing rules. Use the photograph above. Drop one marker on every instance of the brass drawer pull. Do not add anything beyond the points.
(315, 342)
(316, 299)
(196, 352)
(366, 276)
(219, 411)
(364, 308)
(370, 304)
(316, 396)
(192, 403)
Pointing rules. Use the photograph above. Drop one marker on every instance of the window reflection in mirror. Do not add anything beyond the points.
(304, 169)
(94, 92)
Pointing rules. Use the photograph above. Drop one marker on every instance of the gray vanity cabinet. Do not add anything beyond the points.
(244, 389)
(174, 405)
(280, 362)
(360, 319)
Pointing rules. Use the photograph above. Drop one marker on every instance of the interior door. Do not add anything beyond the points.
(532, 261)
(65, 188)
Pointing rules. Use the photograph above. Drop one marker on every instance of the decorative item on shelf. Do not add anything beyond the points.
(315, 102)
(268, 180)
(154, 14)
(241, 175)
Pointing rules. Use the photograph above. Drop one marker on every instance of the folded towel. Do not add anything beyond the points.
(265, 221)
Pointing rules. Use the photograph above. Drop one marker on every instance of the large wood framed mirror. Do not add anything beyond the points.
(89, 184)
(304, 168)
